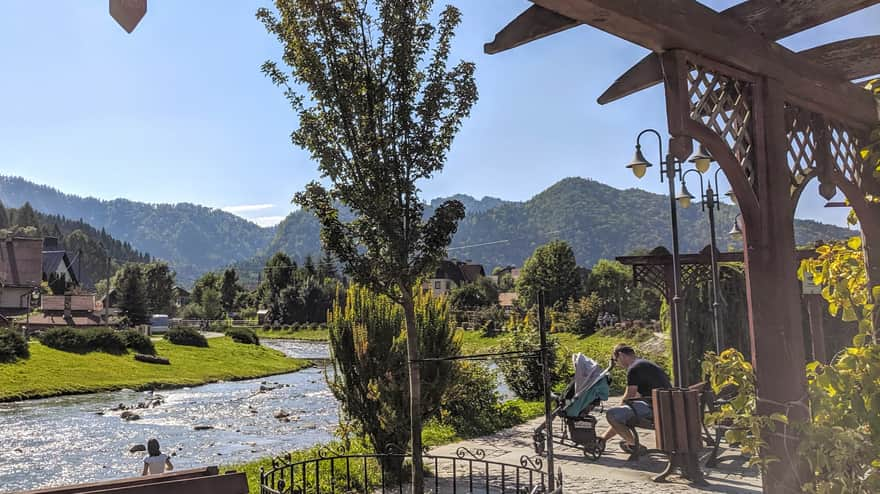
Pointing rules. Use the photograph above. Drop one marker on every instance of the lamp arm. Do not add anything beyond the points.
(702, 193)
(659, 143)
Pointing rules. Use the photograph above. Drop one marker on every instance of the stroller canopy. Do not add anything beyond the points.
(590, 383)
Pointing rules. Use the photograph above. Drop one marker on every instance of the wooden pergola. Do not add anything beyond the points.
(773, 119)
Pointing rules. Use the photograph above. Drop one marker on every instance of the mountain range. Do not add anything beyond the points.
(598, 221)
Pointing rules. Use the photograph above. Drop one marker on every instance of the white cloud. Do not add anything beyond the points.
(267, 220)
(246, 208)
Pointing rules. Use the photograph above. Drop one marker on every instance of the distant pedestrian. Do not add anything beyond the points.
(157, 462)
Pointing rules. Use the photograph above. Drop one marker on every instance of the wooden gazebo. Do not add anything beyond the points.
(773, 119)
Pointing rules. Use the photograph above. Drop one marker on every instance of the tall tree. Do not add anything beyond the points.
(130, 290)
(309, 267)
(229, 289)
(326, 267)
(209, 280)
(211, 304)
(379, 112)
(553, 269)
(4, 217)
(158, 282)
(26, 216)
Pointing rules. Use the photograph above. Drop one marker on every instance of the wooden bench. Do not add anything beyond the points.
(191, 480)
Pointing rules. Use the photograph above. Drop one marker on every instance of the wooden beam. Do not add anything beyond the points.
(774, 19)
(688, 25)
(640, 76)
(535, 23)
(769, 18)
(853, 58)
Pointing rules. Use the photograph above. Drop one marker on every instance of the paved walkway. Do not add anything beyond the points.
(612, 473)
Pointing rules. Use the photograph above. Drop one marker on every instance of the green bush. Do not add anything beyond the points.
(471, 405)
(581, 315)
(243, 335)
(138, 342)
(105, 340)
(266, 327)
(12, 346)
(524, 375)
(84, 340)
(186, 336)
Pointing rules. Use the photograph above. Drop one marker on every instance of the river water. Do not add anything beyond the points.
(73, 439)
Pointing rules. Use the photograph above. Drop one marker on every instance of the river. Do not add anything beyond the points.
(73, 439)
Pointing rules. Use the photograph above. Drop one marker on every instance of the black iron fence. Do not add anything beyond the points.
(468, 471)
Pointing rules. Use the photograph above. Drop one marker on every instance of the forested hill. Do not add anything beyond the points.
(598, 221)
(87, 247)
(192, 238)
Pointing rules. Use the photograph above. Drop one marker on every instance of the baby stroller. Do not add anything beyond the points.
(587, 390)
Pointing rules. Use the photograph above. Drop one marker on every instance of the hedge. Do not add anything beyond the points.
(186, 336)
(12, 346)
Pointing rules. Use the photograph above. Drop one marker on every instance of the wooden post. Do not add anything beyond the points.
(773, 294)
(871, 246)
(815, 308)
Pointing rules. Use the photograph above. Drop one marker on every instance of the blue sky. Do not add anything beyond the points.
(178, 111)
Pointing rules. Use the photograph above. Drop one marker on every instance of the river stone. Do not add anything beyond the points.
(128, 415)
(137, 447)
(203, 427)
(281, 414)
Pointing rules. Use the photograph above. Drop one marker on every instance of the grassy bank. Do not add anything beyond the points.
(295, 334)
(434, 434)
(50, 372)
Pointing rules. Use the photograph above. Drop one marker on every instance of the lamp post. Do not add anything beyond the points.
(107, 295)
(709, 203)
(670, 167)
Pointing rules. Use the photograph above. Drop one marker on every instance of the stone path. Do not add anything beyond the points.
(612, 473)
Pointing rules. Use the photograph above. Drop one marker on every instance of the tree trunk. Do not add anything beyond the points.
(415, 390)
(871, 247)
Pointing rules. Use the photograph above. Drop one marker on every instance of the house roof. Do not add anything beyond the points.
(180, 291)
(459, 272)
(21, 261)
(54, 258)
(60, 320)
(78, 303)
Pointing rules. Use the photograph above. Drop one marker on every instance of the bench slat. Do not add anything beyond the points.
(129, 481)
(233, 483)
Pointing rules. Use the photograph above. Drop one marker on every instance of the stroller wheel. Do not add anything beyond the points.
(595, 451)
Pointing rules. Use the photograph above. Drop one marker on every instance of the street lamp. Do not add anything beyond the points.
(709, 203)
(670, 167)
(107, 295)
(735, 231)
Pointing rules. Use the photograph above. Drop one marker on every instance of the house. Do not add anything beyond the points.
(452, 274)
(20, 273)
(112, 299)
(180, 296)
(66, 310)
(507, 300)
(513, 271)
(56, 263)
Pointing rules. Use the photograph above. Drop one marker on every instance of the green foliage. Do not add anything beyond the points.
(727, 371)
(192, 311)
(525, 376)
(581, 315)
(369, 355)
(211, 303)
(130, 290)
(84, 340)
(471, 404)
(138, 342)
(186, 336)
(26, 216)
(243, 335)
(12, 346)
(481, 293)
(840, 270)
(158, 280)
(4, 217)
(552, 269)
(229, 289)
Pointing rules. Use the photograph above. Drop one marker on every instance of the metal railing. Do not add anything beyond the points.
(339, 471)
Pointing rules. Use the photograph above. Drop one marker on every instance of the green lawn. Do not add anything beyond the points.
(296, 334)
(50, 372)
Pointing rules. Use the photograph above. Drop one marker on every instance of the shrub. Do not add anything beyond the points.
(266, 327)
(581, 315)
(243, 335)
(84, 340)
(12, 346)
(471, 405)
(105, 340)
(186, 336)
(524, 375)
(138, 342)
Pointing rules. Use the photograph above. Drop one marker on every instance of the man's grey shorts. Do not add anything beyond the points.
(624, 413)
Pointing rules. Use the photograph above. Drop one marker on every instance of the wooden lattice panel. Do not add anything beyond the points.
(694, 274)
(845, 152)
(802, 145)
(652, 275)
(723, 104)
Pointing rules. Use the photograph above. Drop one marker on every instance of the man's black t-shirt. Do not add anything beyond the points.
(647, 376)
